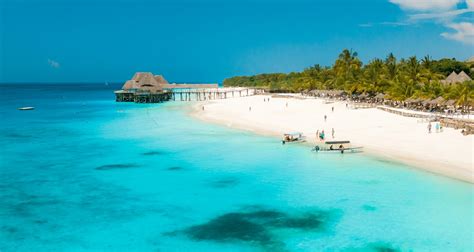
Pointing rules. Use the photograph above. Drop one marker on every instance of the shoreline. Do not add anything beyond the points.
(447, 153)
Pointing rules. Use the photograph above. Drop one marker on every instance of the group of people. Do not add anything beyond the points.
(322, 136)
(438, 127)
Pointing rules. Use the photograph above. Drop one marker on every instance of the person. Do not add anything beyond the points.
(429, 127)
(325, 117)
(332, 109)
(332, 132)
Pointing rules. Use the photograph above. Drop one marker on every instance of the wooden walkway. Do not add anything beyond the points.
(203, 94)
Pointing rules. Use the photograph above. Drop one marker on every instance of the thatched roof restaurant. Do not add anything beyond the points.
(148, 88)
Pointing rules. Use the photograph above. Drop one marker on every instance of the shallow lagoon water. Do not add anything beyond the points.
(81, 172)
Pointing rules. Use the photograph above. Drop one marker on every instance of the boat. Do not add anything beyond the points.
(337, 147)
(26, 108)
(293, 137)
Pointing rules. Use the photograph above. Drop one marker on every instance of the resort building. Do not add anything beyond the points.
(456, 78)
(145, 87)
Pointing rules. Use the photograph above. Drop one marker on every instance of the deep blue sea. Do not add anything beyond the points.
(84, 173)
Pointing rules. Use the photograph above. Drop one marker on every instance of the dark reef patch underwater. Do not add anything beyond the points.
(260, 226)
(116, 166)
(174, 168)
(153, 153)
(224, 182)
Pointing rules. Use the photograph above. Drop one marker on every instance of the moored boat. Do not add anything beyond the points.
(337, 147)
(293, 137)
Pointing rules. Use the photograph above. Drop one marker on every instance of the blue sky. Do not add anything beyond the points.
(209, 40)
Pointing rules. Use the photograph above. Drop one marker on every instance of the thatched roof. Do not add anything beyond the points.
(438, 101)
(145, 81)
(457, 78)
(160, 79)
(462, 77)
(328, 92)
(415, 100)
(379, 96)
(364, 95)
(450, 102)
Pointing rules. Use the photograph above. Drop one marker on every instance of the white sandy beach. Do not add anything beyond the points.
(384, 134)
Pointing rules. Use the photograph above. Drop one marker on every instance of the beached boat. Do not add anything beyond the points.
(26, 108)
(337, 147)
(293, 137)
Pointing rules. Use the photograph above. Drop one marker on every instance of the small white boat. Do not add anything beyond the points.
(26, 108)
(337, 147)
(293, 137)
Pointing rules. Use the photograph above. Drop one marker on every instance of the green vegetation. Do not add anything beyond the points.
(397, 79)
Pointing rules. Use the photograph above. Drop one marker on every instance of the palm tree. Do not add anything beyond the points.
(465, 96)
(346, 68)
(375, 75)
(391, 65)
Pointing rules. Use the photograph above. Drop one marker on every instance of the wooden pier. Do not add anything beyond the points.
(145, 87)
(186, 94)
(203, 94)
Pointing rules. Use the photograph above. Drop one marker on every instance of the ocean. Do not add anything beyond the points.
(84, 173)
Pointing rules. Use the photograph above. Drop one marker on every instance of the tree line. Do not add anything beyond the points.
(397, 79)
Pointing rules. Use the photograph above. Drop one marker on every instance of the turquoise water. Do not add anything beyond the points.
(82, 172)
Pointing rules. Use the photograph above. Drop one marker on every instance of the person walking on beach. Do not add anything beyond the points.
(429, 127)
(332, 133)
(325, 117)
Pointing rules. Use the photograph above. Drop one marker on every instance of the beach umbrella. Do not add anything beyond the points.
(409, 100)
(380, 96)
(438, 101)
(450, 102)
(363, 96)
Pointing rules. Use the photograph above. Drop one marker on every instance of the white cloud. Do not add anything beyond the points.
(53, 64)
(426, 5)
(440, 15)
(464, 32)
(449, 13)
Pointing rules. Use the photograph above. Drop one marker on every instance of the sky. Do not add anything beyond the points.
(209, 40)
